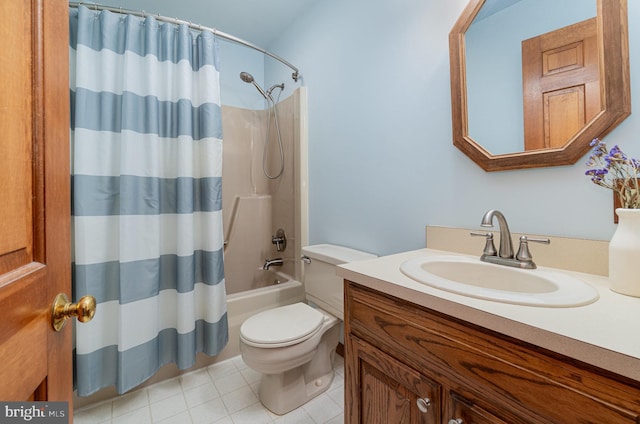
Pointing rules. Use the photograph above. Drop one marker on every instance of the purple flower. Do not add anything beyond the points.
(596, 171)
(616, 171)
(597, 174)
(616, 153)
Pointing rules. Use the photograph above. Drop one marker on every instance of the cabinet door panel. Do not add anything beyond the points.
(387, 391)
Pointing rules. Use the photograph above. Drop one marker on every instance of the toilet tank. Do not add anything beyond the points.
(323, 287)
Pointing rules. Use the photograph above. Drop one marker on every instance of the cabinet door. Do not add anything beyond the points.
(383, 390)
(459, 410)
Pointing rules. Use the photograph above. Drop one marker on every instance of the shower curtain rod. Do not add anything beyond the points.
(295, 75)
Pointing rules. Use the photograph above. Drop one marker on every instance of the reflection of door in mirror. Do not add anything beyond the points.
(561, 84)
(493, 47)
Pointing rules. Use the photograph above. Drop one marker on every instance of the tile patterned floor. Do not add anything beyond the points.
(224, 393)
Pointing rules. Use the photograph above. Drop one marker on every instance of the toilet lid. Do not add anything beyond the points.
(282, 326)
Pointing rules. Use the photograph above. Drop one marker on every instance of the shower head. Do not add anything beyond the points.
(248, 78)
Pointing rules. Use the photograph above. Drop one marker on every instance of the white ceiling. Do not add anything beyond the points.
(256, 21)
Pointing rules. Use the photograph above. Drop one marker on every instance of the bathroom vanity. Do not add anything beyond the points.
(416, 354)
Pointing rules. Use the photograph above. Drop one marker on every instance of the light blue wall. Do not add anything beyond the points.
(233, 91)
(381, 161)
(382, 165)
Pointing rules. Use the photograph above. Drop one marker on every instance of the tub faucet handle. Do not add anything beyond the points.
(280, 240)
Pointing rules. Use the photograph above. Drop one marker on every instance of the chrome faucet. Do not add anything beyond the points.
(504, 255)
(279, 239)
(506, 247)
(272, 262)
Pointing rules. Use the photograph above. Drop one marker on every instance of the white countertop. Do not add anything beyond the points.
(605, 333)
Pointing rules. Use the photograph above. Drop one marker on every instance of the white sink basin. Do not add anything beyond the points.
(499, 283)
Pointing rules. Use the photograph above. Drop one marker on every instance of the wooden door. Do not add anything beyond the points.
(561, 84)
(35, 262)
(388, 391)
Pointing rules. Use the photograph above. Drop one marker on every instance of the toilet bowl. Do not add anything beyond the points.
(293, 346)
(295, 368)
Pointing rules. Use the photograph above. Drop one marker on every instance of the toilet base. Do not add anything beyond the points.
(284, 392)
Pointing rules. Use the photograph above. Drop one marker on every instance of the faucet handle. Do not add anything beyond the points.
(489, 247)
(279, 239)
(524, 254)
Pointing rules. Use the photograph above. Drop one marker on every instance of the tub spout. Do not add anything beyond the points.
(272, 262)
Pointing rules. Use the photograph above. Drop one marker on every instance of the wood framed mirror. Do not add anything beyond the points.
(612, 104)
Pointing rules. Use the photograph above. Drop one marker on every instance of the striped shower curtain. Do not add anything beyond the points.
(147, 221)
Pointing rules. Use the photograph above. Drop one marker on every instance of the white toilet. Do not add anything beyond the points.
(293, 346)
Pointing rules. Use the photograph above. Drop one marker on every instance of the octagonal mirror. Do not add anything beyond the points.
(534, 81)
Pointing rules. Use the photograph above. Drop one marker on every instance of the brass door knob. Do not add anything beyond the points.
(62, 309)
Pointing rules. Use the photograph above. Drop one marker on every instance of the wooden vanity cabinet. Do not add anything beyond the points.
(408, 364)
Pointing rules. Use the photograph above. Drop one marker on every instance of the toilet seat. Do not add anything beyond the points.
(281, 327)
